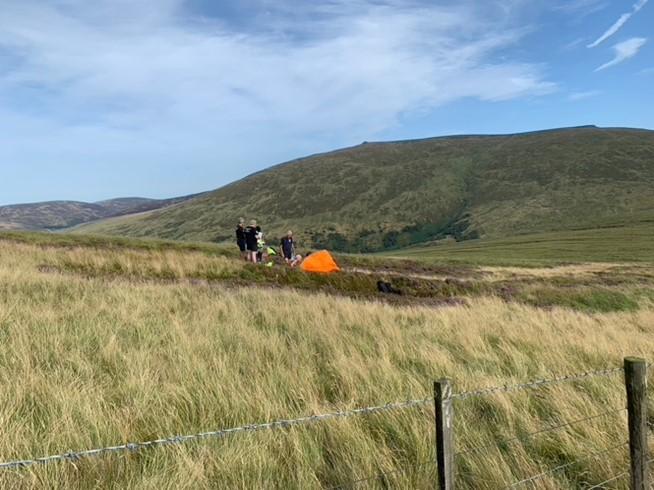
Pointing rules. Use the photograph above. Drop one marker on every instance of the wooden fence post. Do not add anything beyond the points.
(444, 433)
(635, 376)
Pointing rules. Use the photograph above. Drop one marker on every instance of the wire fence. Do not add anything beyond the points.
(530, 481)
(527, 437)
(610, 480)
(540, 383)
(286, 424)
(561, 467)
(177, 440)
(522, 439)
(614, 478)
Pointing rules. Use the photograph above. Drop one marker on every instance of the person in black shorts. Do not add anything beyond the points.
(251, 242)
(240, 238)
(288, 247)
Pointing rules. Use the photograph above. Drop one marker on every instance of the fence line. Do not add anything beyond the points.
(289, 423)
(530, 435)
(535, 384)
(566, 465)
(610, 480)
(177, 440)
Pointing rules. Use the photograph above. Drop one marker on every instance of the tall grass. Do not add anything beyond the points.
(87, 362)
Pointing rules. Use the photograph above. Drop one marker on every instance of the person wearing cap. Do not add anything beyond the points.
(240, 238)
(288, 247)
(251, 242)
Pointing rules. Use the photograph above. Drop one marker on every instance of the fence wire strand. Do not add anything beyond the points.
(564, 466)
(535, 384)
(178, 440)
(286, 424)
(610, 480)
(530, 435)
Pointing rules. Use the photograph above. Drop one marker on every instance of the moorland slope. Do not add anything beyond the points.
(387, 195)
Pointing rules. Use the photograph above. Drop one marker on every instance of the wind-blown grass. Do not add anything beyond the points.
(88, 361)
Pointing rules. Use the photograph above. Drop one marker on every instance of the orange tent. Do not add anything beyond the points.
(322, 262)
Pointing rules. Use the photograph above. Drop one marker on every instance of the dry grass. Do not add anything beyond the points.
(88, 362)
(139, 264)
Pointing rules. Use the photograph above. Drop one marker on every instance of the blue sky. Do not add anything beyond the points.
(160, 98)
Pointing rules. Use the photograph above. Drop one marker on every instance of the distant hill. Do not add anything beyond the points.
(56, 215)
(384, 195)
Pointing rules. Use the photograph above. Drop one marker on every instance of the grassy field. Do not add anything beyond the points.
(107, 342)
(633, 243)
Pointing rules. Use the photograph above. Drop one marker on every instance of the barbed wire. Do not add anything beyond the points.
(564, 466)
(178, 440)
(617, 477)
(526, 437)
(610, 480)
(285, 424)
(535, 384)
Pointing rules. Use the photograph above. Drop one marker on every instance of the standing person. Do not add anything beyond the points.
(240, 238)
(288, 247)
(251, 244)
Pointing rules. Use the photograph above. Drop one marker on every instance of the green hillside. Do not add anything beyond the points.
(386, 195)
(632, 243)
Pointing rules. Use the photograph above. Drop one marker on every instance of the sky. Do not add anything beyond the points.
(162, 98)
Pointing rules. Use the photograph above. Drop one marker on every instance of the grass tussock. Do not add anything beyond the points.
(88, 362)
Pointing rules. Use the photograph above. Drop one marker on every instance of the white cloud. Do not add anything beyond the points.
(583, 7)
(622, 20)
(575, 96)
(573, 44)
(140, 80)
(623, 51)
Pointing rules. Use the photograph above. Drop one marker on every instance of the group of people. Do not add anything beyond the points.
(251, 243)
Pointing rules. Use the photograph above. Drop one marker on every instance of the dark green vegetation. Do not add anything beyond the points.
(389, 195)
(55, 215)
(616, 244)
(587, 288)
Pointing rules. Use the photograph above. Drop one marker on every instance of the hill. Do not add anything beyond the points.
(387, 195)
(54, 215)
